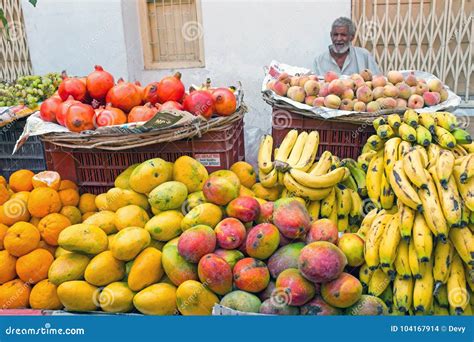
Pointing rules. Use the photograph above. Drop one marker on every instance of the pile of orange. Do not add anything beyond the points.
(34, 209)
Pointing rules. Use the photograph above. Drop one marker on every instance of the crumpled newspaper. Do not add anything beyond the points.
(276, 68)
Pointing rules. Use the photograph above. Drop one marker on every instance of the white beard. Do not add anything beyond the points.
(341, 50)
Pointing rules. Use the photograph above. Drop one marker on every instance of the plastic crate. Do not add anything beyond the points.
(30, 156)
(95, 170)
(342, 139)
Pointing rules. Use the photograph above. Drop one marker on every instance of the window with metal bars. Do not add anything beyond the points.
(172, 33)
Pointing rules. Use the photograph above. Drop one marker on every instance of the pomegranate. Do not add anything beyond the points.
(49, 108)
(170, 89)
(63, 108)
(80, 117)
(141, 89)
(124, 95)
(142, 113)
(71, 86)
(109, 116)
(99, 82)
(224, 101)
(199, 102)
(151, 93)
(170, 105)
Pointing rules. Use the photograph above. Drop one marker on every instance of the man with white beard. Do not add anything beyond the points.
(342, 57)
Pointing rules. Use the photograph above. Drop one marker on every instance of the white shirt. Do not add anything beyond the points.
(357, 60)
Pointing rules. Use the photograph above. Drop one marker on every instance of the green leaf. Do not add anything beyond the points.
(33, 2)
(4, 21)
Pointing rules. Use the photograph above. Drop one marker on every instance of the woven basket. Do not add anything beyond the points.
(115, 142)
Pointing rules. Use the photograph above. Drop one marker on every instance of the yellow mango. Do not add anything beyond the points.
(165, 226)
(194, 199)
(101, 202)
(60, 252)
(83, 238)
(156, 299)
(67, 267)
(268, 194)
(122, 180)
(157, 244)
(116, 297)
(245, 172)
(78, 295)
(190, 172)
(194, 299)
(146, 269)
(207, 213)
(104, 269)
(149, 174)
(130, 216)
(105, 220)
(169, 195)
(246, 192)
(176, 267)
(129, 242)
(118, 198)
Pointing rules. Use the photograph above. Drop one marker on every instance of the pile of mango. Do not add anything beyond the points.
(170, 238)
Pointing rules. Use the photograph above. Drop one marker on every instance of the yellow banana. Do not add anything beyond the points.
(303, 191)
(385, 131)
(444, 138)
(365, 273)
(280, 176)
(450, 200)
(444, 166)
(328, 204)
(268, 180)
(356, 207)
(432, 210)
(468, 148)
(379, 121)
(407, 218)
(413, 167)
(387, 197)
(375, 142)
(465, 190)
(387, 297)
(309, 152)
(373, 239)
(463, 242)
(461, 150)
(403, 148)
(402, 261)
(407, 132)
(422, 239)
(378, 283)
(313, 209)
(394, 120)
(324, 181)
(365, 158)
(286, 146)
(441, 293)
(423, 290)
(423, 136)
(390, 241)
(433, 154)
(367, 222)
(265, 154)
(469, 271)
(410, 117)
(415, 264)
(374, 178)
(443, 257)
(445, 120)
(323, 165)
(297, 149)
(403, 293)
(390, 155)
(343, 223)
(403, 188)
(423, 155)
(343, 200)
(458, 296)
(467, 169)
(427, 121)
(333, 216)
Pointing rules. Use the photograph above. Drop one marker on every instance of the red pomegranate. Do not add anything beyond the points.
(225, 102)
(99, 82)
(71, 86)
(124, 95)
(80, 117)
(142, 113)
(170, 105)
(150, 93)
(49, 108)
(199, 102)
(170, 89)
(63, 108)
(109, 116)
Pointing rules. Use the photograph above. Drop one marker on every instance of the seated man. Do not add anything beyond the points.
(342, 57)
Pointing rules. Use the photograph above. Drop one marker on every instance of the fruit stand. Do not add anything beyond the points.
(151, 210)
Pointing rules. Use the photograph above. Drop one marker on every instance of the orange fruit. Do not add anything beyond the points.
(7, 267)
(4, 194)
(13, 211)
(14, 294)
(51, 225)
(35, 220)
(3, 232)
(46, 179)
(44, 201)
(245, 172)
(87, 203)
(69, 197)
(21, 180)
(85, 216)
(72, 213)
(21, 239)
(3, 181)
(23, 195)
(44, 296)
(33, 267)
(52, 249)
(67, 184)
